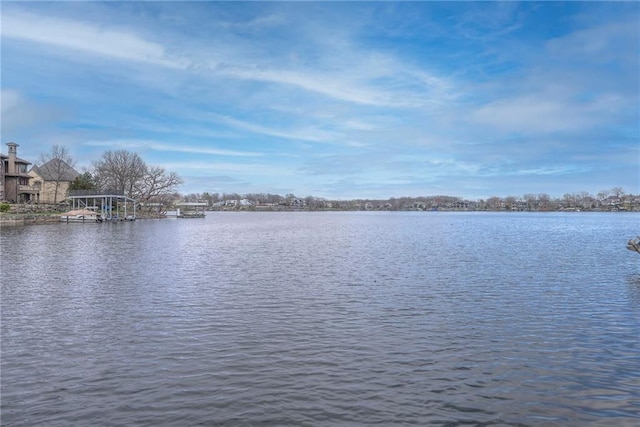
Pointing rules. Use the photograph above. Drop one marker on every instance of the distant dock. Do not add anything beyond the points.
(190, 209)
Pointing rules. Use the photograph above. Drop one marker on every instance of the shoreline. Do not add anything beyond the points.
(13, 220)
(40, 218)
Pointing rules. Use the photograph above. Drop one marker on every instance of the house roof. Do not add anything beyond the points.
(56, 170)
(18, 159)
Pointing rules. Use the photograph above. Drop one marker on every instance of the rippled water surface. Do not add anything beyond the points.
(313, 319)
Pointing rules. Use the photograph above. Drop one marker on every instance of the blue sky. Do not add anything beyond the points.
(334, 99)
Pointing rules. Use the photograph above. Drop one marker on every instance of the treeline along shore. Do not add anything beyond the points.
(614, 200)
(12, 214)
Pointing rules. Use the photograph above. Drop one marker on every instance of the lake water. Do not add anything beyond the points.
(323, 319)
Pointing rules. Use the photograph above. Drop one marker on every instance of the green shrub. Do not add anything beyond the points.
(4, 207)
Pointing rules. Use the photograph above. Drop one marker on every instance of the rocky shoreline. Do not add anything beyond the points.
(28, 214)
(10, 220)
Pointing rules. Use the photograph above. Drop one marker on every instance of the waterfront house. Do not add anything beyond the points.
(14, 179)
(53, 179)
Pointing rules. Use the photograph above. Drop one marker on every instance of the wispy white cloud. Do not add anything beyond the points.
(359, 125)
(599, 43)
(556, 95)
(550, 170)
(243, 169)
(83, 37)
(489, 21)
(357, 79)
(10, 100)
(530, 113)
(173, 148)
(19, 112)
(309, 133)
(334, 85)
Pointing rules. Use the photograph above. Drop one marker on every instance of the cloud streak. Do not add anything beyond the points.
(132, 144)
(82, 37)
(359, 83)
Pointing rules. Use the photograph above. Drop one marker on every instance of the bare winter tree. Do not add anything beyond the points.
(57, 166)
(126, 173)
(530, 200)
(617, 191)
(156, 184)
(544, 201)
(120, 170)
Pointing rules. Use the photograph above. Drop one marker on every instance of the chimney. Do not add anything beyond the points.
(13, 154)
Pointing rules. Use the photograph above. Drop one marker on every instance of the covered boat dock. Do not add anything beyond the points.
(191, 209)
(113, 205)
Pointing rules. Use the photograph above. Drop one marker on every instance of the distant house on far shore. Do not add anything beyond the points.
(53, 178)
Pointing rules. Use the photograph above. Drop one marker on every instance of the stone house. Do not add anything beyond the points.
(53, 179)
(14, 179)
